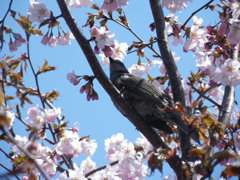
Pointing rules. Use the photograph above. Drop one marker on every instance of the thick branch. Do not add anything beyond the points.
(174, 76)
(228, 98)
(166, 53)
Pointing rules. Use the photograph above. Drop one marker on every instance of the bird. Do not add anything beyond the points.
(148, 100)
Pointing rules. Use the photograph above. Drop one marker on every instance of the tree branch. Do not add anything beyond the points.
(170, 65)
(168, 60)
(100, 168)
(195, 12)
(202, 94)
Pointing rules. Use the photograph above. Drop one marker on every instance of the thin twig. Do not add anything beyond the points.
(3, 20)
(26, 153)
(6, 154)
(37, 84)
(33, 71)
(204, 96)
(146, 45)
(130, 29)
(207, 90)
(195, 12)
(21, 120)
(100, 168)
(8, 174)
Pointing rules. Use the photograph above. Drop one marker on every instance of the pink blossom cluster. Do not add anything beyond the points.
(19, 40)
(142, 68)
(130, 163)
(113, 5)
(212, 56)
(173, 28)
(37, 11)
(87, 88)
(42, 154)
(78, 3)
(91, 93)
(130, 166)
(53, 41)
(105, 42)
(38, 118)
(230, 24)
(175, 5)
(71, 145)
(197, 37)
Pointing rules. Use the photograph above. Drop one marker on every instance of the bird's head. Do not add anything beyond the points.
(117, 67)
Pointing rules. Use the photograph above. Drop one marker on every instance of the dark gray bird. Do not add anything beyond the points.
(148, 100)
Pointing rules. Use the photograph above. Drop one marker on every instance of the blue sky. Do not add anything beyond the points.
(99, 119)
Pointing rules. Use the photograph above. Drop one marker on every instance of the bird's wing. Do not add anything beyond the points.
(145, 89)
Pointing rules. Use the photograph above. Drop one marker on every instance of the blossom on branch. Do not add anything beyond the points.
(73, 78)
(19, 40)
(78, 3)
(38, 11)
(113, 5)
(175, 5)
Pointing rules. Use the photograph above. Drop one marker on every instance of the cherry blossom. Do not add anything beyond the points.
(174, 6)
(87, 165)
(65, 39)
(104, 38)
(140, 69)
(38, 11)
(76, 173)
(36, 118)
(42, 155)
(234, 33)
(88, 147)
(73, 78)
(173, 28)
(112, 5)
(91, 93)
(22, 142)
(119, 50)
(69, 144)
(45, 40)
(19, 40)
(197, 37)
(104, 60)
(51, 114)
(228, 73)
(78, 3)
(52, 41)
